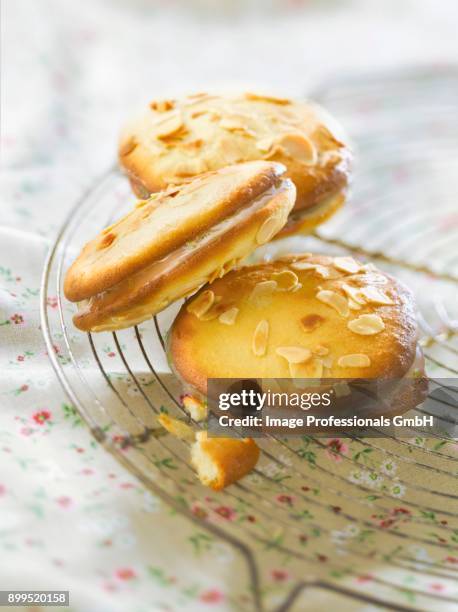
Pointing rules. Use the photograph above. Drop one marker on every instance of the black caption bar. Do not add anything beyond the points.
(404, 407)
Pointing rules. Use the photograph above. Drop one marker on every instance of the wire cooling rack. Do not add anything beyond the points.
(369, 520)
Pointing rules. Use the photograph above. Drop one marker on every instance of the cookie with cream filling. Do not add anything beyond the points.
(176, 241)
(302, 316)
(175, 140)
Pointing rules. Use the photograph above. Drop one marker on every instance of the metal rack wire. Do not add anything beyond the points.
(120, 382)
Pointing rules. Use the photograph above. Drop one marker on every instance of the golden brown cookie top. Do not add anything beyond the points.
(303, 316)
(177, 139)
(164, 222)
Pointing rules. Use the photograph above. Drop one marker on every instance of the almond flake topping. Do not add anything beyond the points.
(295, 256)
(202, 303)
(356, 360)
(260, 337)
(326, 139)
(228, 316)
(366, 325)
(322, 271)
(375, 296)
(263, 289)
(270, 227)
(235, 124)
(169, 125)
(347, 264)
(189, 167)
(311, 369)
(271, 99)
(294, 354)
(285, 280)
(311, 322)
(213, 312)
(354, 293)
(264, 145)
(298, 147)
(334, 300)
(353, 305)
(161, 106)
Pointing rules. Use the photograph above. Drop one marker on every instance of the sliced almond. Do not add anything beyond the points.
(326, 140)
(356, 360)
(294, 256)
(213, 313)
(354, 293)
(189, 168)
(201, 304)
(322, 271)
(236, 124)
(347, 264)
(198, 113)
(366, 325)
(177, 428)
(294, 354)
(353, 305)
(222, 270)
(298, 147)
(310, 369)
(334, 300)
(271, 226)
(192, 145)
(271, 99)
(168, 125)
(231, 123)
(286, 280)
(264, 145)
(161, 106)
(260, 337)
(262, 290)
(228, 317)
(311, 322)
(375, 296)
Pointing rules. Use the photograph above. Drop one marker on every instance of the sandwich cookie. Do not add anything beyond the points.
(176, 241)
(303, 316)
(175, 140)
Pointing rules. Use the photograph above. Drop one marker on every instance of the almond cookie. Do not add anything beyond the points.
(176, 241)
(174, 140)
(303, 316)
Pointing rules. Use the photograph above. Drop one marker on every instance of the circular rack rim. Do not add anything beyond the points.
(237, 543)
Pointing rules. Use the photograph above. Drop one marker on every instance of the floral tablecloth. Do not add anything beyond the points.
(70, 517)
